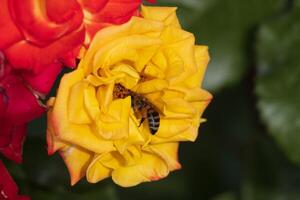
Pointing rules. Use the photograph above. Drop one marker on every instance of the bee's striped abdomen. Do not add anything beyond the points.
(153, 120)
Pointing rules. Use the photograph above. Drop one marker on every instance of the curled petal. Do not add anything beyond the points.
(148, 168)
(77, 161)
(33, 19)
(7, 26)
(168, 152)
(36, 58)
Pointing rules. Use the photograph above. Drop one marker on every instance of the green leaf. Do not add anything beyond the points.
(225, 26)
(278, 81)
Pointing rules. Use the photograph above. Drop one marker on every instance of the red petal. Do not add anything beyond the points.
(8, 31)
(93, 6)
(114, 12)
(42, 82)
(117, 11)
(5, 69)
(31, 18)
(12, 138)
(22, 104)
(64, 11)
(3, 103)
(27, 56)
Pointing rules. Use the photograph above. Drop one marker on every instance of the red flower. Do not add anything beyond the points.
(37, 38)
(18, 105)
(11, 140)
(8, 188)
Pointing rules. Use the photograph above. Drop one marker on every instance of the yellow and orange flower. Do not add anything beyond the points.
(99, 136)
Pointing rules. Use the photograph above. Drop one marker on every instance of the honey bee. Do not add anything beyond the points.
(143, 109)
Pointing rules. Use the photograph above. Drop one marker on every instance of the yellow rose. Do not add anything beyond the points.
(100, 136)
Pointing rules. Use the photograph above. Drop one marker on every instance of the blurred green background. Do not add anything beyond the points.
(249, 148)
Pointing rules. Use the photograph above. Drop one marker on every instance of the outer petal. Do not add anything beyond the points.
(23, 106)
(7, 26)
(53, 141)
(164, 14)
(97, 171)
(36, 58)
(77, 160)
(43, 82)
(34, 19)
(148, 168)
(168, 152)
(202, 59)
(101, 13)
(11, 140)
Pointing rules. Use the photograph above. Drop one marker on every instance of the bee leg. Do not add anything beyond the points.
(142, 120)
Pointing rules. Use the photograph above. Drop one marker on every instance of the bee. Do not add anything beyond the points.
(143, 109)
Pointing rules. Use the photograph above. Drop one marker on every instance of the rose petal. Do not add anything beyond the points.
(135, 136)
(114, 124)
(165, 14)
(168, 152)
(148, 168)
(7, 26)
(36, 58)
(12, 138)
(202, 59)
(77, 160)
(93, 6)
(81, 135)
(43, 82)
(76, 111)
(23, 106)
(31, 17)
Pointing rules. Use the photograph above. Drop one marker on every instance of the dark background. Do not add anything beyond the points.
(249, 148)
